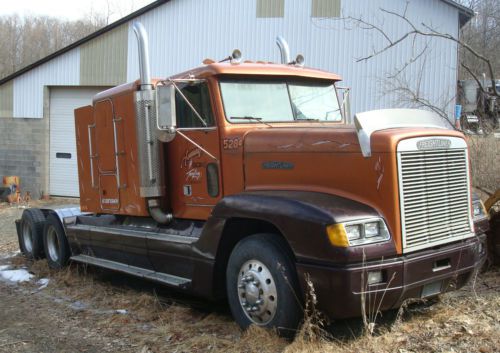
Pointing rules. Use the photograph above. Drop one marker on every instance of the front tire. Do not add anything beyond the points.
(55, 243)
(262, 285)
(31, 235)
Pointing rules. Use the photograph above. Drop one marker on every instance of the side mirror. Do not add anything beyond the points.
(345, 107)
(165, 112)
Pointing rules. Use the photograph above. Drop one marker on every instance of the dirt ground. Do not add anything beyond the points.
(83, 309)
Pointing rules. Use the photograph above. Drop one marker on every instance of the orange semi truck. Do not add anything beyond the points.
(240, 180)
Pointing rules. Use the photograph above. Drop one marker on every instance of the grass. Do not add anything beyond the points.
(485, 162)
(164, 322)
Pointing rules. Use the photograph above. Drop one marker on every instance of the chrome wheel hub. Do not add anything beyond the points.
(257, 292)
(52, 244)
(27, 238)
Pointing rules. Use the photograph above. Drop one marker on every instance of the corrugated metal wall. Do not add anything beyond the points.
(63, 70)
(270, 8)
(184, 32)
(103, 61)
(325, 8)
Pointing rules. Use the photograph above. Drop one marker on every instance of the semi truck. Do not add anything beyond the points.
(250, 182)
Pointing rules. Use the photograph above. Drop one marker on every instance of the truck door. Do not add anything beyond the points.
(193, 176)
(107, 155)
(195, 185)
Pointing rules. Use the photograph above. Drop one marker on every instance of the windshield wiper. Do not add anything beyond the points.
(307, 119)
(252, 118)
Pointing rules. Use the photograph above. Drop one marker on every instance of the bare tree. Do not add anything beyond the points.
(426, 31)
(483, 34)
(31, 38)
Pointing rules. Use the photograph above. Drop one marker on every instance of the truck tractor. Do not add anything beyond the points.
(250, 182)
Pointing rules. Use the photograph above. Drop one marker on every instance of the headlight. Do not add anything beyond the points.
(372, 229)
(367, 231)
(353, 231)
(479, 212)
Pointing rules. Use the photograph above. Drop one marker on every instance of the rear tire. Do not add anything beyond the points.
(262, 285)
(55, 243)
(31, 233)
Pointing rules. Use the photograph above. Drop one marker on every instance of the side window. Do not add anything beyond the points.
(199, 98)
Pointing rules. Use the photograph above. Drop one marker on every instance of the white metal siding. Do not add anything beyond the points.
(64, 172)
(28, 88)
(184, 32)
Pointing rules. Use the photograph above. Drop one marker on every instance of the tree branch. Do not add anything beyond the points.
(428, 32)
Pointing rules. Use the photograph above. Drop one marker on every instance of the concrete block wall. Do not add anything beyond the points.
(24, 152)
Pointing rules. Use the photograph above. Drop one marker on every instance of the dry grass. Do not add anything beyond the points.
(485, 160)
(460, 322)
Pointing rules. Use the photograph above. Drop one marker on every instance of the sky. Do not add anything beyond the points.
(71, 9)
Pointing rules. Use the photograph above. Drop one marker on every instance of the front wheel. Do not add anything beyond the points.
(262, 285)
(55, 243)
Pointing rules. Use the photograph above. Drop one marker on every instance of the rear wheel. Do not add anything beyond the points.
(55, 243)
(31, 235)
(262, 285)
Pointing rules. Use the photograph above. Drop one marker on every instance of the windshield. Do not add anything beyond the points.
(279, 101)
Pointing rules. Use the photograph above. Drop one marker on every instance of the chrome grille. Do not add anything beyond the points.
(434, 196)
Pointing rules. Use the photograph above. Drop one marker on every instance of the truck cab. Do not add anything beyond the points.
(249, 181)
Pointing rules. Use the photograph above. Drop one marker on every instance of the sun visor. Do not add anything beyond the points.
(369, 122)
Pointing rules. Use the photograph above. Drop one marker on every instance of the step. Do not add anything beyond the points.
(138, 233)
(171, 280)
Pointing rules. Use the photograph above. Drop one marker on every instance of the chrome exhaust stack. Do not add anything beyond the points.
(143, 46)
(284, 49)
(152, 185)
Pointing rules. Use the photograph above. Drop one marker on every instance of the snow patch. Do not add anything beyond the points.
(43, 283)
(9, 255)
(20, 275)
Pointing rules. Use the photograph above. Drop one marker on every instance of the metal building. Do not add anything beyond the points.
(37, 138)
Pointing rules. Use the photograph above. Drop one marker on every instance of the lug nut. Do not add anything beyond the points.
(255, 308)
(241, 286)
(256, 283)
(259, 302)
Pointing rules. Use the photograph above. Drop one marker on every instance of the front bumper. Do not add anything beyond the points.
(339, 289)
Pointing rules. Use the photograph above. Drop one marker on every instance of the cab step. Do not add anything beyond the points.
(171, 280)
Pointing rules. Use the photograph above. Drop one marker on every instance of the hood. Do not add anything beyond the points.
(329, 160)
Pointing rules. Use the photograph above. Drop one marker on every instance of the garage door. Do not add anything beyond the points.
(63, 168)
